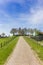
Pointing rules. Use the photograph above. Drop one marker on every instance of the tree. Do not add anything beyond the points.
(3, 34)
(25, 31)
(0, 36)
(30, 31)
(19, 31)
(13, 31)
(36, 31)
(22, 32)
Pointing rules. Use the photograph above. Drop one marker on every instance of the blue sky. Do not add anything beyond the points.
(20, 13)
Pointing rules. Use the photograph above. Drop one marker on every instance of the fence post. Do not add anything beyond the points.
(1, 45)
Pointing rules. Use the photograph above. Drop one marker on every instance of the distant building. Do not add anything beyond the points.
(34, 34)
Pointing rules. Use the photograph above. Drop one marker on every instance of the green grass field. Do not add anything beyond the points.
(40, 42)
(35, 46)
(4, 41)
(6, 50)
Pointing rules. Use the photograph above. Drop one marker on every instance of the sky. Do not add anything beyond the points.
(20, 13)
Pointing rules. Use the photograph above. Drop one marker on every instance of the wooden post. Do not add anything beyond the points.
(1, 45)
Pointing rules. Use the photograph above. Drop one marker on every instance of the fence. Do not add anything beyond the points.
(6, 42)
(37, 38)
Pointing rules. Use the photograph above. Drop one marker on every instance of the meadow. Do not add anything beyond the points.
(5, 40)
(38, 48)
(7, 48)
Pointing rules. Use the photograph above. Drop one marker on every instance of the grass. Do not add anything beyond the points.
(2, 40)
(6, 50)
(40, 42)
(35, 46)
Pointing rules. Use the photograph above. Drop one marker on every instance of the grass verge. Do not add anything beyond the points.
(6, 51)
(35, 46)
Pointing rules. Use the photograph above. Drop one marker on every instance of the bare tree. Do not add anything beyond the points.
(19, 31)
(13, 31)
(3, 34)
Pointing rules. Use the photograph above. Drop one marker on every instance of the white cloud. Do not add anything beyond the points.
(37, 16)
(35, 19)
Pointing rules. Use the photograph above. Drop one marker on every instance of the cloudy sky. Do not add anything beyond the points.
(20, 13)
